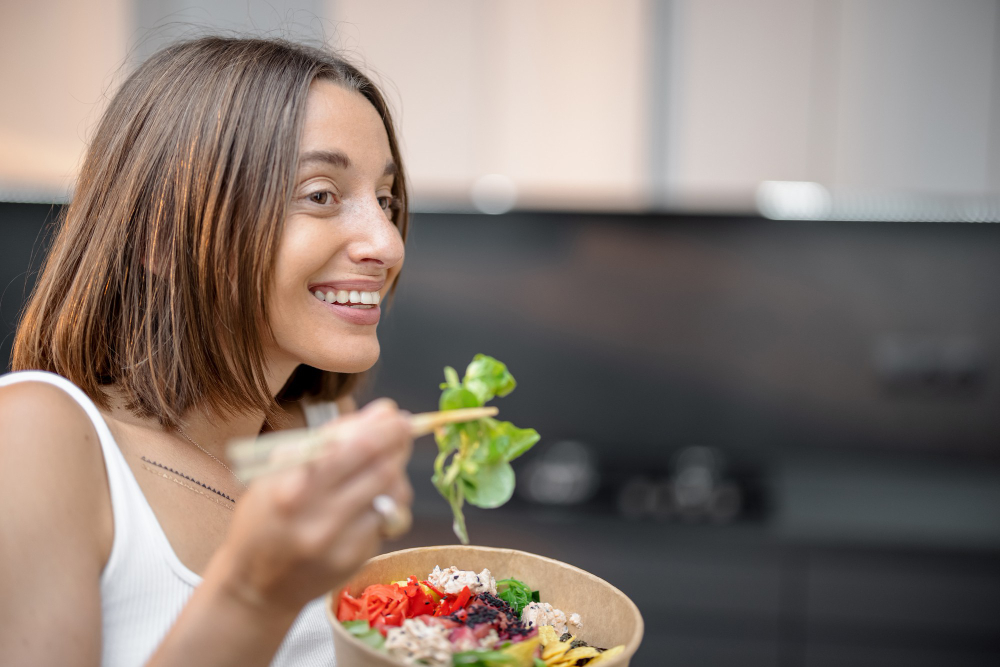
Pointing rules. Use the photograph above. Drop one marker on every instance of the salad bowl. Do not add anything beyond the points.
(610, 618)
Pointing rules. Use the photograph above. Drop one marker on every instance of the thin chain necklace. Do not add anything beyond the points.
(221, 462)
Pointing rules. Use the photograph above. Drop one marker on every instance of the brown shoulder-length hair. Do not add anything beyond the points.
(190, 172)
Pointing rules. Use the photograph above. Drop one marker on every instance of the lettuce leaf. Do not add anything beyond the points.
(362, 631)
(473, 461)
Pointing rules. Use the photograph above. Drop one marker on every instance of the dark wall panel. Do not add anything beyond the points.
(23, 242)
(648, 333)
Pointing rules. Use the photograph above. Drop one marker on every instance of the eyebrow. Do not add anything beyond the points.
(338, 159)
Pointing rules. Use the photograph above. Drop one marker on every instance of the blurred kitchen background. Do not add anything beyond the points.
(741, 256)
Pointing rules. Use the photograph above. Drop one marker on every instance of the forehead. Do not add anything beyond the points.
(341, 120)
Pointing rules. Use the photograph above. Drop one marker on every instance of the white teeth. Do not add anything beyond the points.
(353, 297)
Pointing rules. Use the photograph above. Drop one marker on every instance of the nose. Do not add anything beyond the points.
(377, 241)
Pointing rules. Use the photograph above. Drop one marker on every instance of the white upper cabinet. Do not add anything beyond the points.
(580, 104)
(739, 99)
(691, 103)
(549, 95)
(911, 96)
(881, 96)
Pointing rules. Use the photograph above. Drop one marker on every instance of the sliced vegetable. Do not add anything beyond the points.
(523, 652)
(607, 655)
(433, 592)
(348, 608)
(452, 603)
(421, 600)
(379, 605)
(568, 651)
(365, 633)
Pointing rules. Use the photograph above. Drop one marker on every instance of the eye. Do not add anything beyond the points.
(321, 197)
(387, 203)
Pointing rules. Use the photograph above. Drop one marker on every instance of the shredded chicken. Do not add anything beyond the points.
(452, 580)
(542, 613)
(415, 642)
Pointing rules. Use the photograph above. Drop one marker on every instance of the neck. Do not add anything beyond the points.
(212, 432)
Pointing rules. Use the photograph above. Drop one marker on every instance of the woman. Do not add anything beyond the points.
(239, 216)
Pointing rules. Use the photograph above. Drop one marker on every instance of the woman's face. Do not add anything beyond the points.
(338, 242)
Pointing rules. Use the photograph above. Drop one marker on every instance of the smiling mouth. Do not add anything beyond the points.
(349, 299)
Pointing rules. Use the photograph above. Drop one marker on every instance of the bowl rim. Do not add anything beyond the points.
(631, 646)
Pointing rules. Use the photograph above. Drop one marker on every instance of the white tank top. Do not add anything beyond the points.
(144, 585)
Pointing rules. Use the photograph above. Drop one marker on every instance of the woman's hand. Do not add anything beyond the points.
(296, 535)
(302, 532)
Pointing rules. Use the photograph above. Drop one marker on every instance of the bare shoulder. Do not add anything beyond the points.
(39, 420)
(23, 404)
(56, 528)
(49, 441)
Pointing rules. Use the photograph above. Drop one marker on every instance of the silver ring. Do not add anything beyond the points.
(396, 520)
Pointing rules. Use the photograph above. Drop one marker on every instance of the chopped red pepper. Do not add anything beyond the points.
(349, 608)
(420, 602)
(463, 598)
(385, 605)
(452, 603)
(428, 584)
(379, 605)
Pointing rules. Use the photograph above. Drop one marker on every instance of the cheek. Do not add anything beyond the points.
(303, 248)
(301, 254)
(303, 330)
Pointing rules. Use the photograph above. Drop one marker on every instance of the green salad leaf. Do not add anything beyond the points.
(516, 593)
(362, 631)
(473, 461)
(481, 658)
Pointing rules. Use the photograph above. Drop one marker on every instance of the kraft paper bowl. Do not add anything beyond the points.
(609, 617)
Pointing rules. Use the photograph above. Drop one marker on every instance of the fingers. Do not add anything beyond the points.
(316, 522)
(354, 500)
(355, 495)
(361, 537)
(368, 459)
(358, 542)
(402, 491)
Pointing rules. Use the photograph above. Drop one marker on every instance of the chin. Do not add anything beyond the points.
(359, 361)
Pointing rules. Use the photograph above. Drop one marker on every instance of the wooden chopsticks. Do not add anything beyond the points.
(271, 452)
